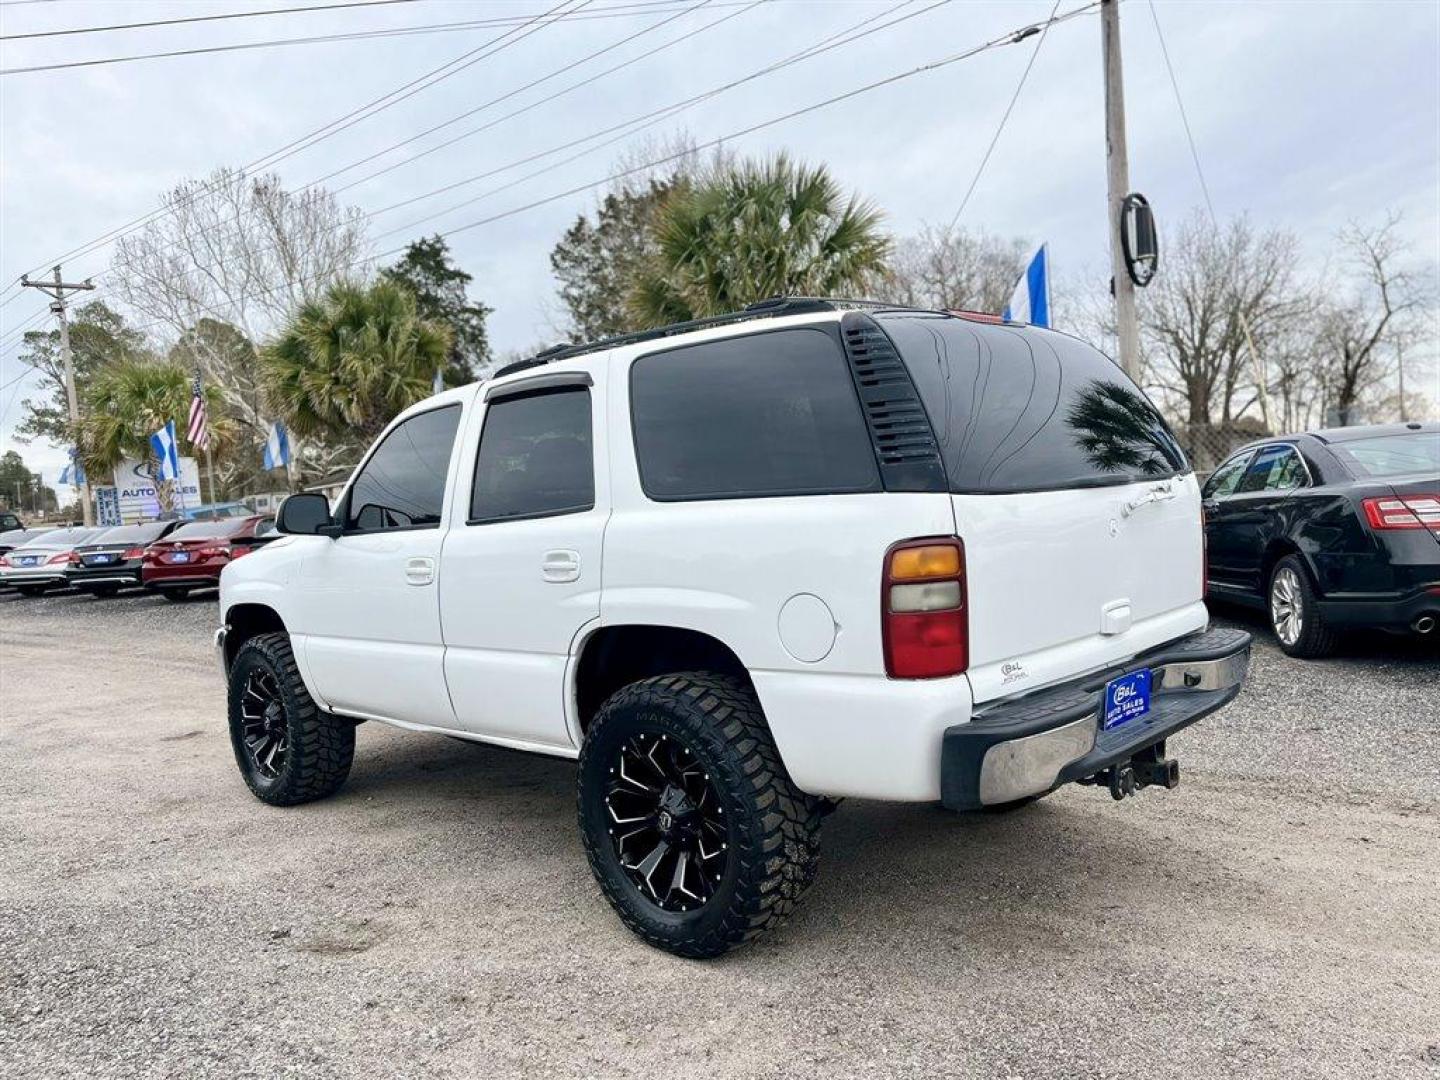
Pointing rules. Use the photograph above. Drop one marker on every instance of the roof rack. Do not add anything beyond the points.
(771, 308)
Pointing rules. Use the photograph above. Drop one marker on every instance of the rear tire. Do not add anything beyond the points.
(1295, 617)
(175, 596)
(103, 591)
(288, 751)
(31, 590)
(732, 791)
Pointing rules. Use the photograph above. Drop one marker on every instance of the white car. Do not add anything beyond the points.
(741, 569)
(39, 563)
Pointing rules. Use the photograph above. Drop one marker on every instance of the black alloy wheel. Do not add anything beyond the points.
(263, 725)
(694, 830)
(288, 751)
(668, 826)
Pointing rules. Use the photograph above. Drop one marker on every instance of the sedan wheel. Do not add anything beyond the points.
(1287, 606)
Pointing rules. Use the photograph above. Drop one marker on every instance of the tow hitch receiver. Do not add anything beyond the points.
(1149, 766)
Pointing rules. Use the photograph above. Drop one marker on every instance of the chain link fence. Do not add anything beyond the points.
(1207, 445)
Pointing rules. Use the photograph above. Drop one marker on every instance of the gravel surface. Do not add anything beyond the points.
(1276, 916)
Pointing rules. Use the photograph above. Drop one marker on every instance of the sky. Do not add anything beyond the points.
(1306, 115)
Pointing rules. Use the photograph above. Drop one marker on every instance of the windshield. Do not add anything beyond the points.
(131, 534)
(1022, 411)
(205, 530)
(60, 538)
(1392, 455)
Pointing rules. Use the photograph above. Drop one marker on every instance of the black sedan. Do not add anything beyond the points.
(112, 561)
(1330, 529)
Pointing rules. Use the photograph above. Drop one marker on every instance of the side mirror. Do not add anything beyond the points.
(305, 514)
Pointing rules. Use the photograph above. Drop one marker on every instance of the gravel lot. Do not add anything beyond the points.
(1276, 916)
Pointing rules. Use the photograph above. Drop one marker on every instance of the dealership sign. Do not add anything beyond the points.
(137, 490)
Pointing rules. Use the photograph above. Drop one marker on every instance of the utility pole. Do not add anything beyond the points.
(1117, 186)
(57, 289)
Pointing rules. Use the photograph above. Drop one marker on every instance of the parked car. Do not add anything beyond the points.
(15, 535)
(193, 555)
(10, 521)
(112, 561)
(40, 563)
(741, 568)
(1329, 530)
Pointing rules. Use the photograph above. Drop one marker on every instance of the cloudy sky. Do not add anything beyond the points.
(1306, 114)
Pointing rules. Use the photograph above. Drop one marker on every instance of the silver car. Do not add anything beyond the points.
(39, 563)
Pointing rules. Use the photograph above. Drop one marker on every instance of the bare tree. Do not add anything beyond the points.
(238, 252)
(951, 269)
(1360, 327)
(1192, 315)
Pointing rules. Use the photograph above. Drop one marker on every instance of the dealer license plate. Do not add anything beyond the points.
(180, 556)
(102, 558)
(30, 560)
(1125, 699)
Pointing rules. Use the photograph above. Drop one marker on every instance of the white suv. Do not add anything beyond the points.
(741, 569)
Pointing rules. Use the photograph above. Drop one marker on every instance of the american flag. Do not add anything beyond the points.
(198, 434)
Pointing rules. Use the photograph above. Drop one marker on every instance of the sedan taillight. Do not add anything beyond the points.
(63, 557)
(215, 551)
(132, 553)
(1403, 512)
(922, 609)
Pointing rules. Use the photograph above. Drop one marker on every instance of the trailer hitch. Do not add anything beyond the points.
(1149, 766)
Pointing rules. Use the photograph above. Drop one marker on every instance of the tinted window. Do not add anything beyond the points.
(1224, 480)
(403, 483)
(132, 534)
(1030, 410)
(767, 414)
(1392, 455)
(535, 457)
(1275, 468)
(201, 530)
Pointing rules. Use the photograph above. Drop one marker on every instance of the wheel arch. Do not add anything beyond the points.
(247, 620)
(614, 656)
(1276, 550)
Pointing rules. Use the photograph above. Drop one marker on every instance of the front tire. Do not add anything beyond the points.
(1295, 615)
(693, 829)
(288, 751)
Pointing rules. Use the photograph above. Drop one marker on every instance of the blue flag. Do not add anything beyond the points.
(1030, 302)
(277, 447)
(162, 444)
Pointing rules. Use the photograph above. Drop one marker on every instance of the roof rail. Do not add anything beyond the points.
(770, 308)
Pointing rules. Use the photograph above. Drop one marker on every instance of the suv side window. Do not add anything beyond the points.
(1275, 468)
(762, 415)
(535, 457)
(402, 486)
(1224, 480)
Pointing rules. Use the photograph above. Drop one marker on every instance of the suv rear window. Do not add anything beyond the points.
(767, 414)
(1391, 455)
(1021, 411)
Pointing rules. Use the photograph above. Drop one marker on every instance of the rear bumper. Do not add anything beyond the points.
(36, 575)
(1030, 745)
(1384, 609)
(196, 578)
(99, 577)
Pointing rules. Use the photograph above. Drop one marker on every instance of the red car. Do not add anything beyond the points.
(193, 555)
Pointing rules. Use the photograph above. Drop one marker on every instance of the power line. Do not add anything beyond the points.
(1256, 362)
(851, 33)
(934, 65)
(995, 139)
(414, 86)
(620, 11)
(202, 18)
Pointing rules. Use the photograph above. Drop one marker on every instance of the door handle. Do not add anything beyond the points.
(560, 566)
(420, 571)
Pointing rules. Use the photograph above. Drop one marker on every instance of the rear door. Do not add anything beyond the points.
(369, 601)
(1079, 515)
(521, 564)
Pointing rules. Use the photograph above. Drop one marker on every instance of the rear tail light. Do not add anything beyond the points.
(73, 558)
(922, 609)
(1403, 512)
(132, 553)
(5, 560)
(151, 555)
(63, 557)
(214, 551)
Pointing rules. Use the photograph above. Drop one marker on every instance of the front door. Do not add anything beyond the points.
(371, 596)
(1255, 511)
(522, 563)
(1223, 533)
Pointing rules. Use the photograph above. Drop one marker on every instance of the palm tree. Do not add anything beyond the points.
(351, 360)
(130, 399)
(754, 230)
